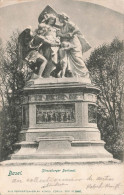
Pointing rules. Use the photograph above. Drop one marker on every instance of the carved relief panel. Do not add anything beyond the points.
(53, 113)
(92, 113)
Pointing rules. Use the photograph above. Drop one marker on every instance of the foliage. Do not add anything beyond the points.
(106, 66)
(12, 81)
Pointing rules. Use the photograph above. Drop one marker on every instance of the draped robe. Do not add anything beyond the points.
(73, 57)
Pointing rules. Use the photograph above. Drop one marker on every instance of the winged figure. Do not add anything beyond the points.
(54, 47)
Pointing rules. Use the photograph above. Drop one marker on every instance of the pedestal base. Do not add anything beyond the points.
(33, 162)
(63, 148)
(60, 122)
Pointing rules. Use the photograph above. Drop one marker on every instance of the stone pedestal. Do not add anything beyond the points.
(60, 121)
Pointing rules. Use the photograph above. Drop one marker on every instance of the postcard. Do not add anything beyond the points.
(61, 97)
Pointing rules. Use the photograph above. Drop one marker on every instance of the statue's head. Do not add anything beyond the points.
(49, 19)
(63, 17)
(42, 29)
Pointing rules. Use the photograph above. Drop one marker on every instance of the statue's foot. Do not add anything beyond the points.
(69, 74)
(59, 75)
(34, 76)
(40, 77)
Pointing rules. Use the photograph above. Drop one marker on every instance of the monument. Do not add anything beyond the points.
(59, 107)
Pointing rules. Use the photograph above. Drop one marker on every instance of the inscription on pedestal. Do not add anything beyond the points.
(55, 97)
(61, 113)
(90, 97)
(60, 97)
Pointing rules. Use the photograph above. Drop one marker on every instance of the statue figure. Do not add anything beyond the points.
(62, 114)
(51, 46)
(52, 49)
(51, 116)
(31, 52)
(45, 117)
(73, 45)
(68, 116)
(56, 116)
(35, 56)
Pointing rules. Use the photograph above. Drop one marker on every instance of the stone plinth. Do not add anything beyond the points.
(60, 121)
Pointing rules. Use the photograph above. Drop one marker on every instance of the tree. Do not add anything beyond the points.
(106, 66)
(2, 79)
(12, 81)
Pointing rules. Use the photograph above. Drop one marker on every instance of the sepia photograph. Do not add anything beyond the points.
(61, 97)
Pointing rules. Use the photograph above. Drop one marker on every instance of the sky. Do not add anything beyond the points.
(97, 22)
(117, 5)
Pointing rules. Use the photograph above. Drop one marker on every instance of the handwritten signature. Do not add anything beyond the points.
(54, 184)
